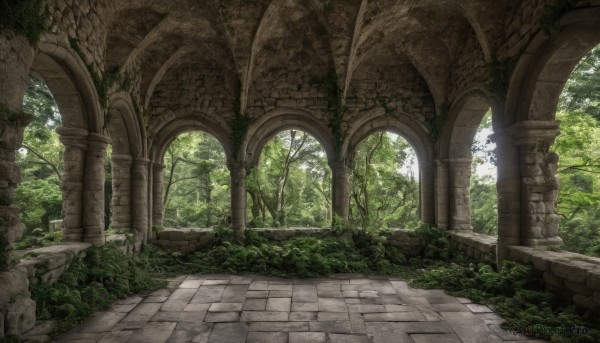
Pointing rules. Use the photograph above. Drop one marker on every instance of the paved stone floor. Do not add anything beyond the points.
(340, 309)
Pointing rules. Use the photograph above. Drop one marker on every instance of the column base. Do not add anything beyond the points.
(94, 238)
(72, 235)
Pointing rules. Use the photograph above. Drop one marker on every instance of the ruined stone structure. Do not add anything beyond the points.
(135, 74)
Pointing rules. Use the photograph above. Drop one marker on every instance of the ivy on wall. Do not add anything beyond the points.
(24, 17)
(334, 100)
(240, 122)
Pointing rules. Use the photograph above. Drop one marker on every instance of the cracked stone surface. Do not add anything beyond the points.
(344, 308)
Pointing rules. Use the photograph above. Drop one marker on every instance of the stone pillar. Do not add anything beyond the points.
(139, 198)
(340, 186)
(539, 184)
(427, 205)
(459, 191)
(121, 191)
(93, 191)
(72, 182)
(238, 200)
(16, 56)
(157, 194)
(509, 196)
(441, 194)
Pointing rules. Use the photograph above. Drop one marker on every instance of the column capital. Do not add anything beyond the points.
(97, 141)
(121, 158)
(73, 137)
(157, 166)
(534, 131)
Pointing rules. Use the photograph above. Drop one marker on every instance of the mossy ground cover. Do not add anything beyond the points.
(515, 291)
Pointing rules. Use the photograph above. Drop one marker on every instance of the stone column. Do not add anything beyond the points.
(427, 208)
(16, 56)
(441, 194)
(238, 200)
(157, 194)
(508, 186)
(121, 191)
(93, 192)
(459, 191)
(139, 198)
(72, 182)
(539, 184)
(340, 186)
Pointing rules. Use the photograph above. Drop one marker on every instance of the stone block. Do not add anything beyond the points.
(585, 302)
(178, 235)
(572, 271)
(580, 288)
(553, 280)
(20, 316)
(13, 283)
(593, 280)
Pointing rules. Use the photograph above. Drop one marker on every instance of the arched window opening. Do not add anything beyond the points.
(291, 186)
(196, 183)
(483, 193)
(578, 147)
(384, 191)
(41, 162)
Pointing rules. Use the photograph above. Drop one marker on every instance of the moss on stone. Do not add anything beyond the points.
(24, 17)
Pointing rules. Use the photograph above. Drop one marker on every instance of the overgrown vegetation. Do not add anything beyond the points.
(516, 293)
(104, 275)
(24, 17)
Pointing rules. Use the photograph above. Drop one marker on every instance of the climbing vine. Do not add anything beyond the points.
(334, 100)
(24, 17)
(240, 122)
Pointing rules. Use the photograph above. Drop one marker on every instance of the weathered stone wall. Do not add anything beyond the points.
(187, 92)
(85, 22)
(574, 277)
(183, 241)
(191, 240)
(477, 246)
(398, 88)
(291, 87)
(17, 309)
(469, 68)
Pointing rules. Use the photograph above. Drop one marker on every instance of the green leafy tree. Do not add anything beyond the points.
(196, 182)
(582, 91)
(381, 195)
(578, 147)
(291, 186)
(483, 193)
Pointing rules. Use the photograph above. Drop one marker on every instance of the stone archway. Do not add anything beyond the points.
(415, 135)
(82, 182)
(158, 146)
(129, 167)
(530, 129)
(455, 159)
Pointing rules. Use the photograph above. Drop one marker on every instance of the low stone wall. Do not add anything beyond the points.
(182, 240)
(191, 240)
(477, 246)
(281, 234)
(17, 309)
(573, 276)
